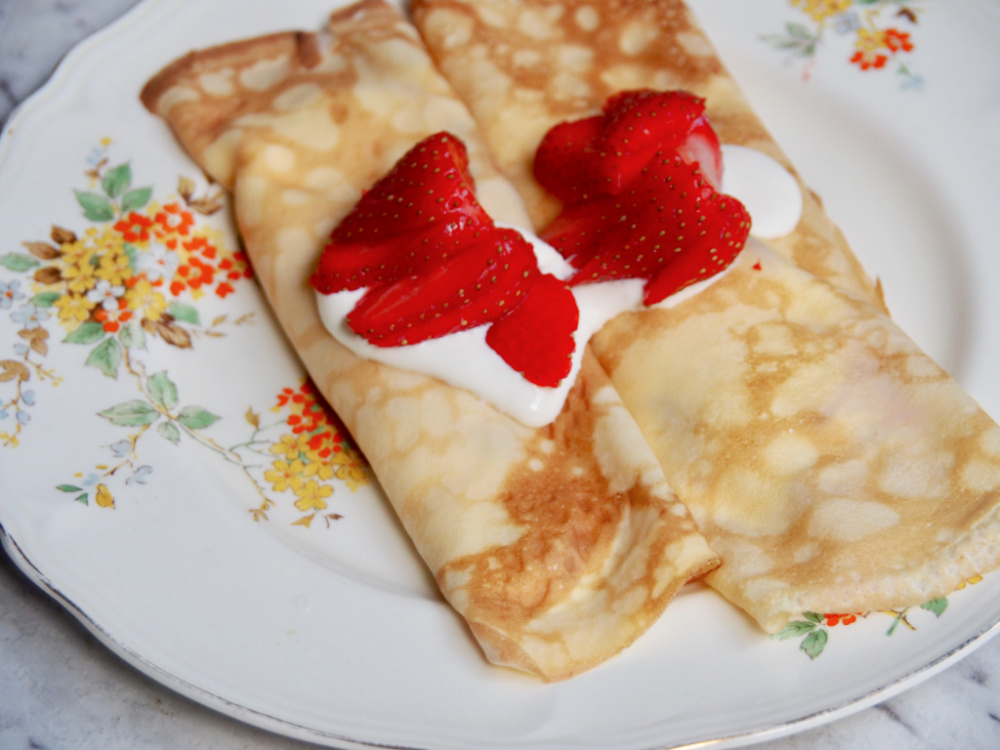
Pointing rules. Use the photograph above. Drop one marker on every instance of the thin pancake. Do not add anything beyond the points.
(558, 545)
(831, 464)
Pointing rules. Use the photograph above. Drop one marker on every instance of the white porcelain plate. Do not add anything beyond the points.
(167, 475)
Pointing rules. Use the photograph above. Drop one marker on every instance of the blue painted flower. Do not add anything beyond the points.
(121, 448)
(10, 293)
(846, 23)
(140, 476)
(31, 316)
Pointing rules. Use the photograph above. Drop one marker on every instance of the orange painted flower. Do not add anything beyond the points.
(868, 59)
(897, 41)
(841, 619)
(170, 222)
(111, 320)
(134, 227)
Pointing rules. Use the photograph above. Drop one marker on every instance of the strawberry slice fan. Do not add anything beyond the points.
(639, 184)
(433, 263)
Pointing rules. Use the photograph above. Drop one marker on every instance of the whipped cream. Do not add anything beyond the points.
(465, 360)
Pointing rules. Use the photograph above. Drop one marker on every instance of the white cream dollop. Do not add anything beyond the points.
(465, 360)
(769, 192)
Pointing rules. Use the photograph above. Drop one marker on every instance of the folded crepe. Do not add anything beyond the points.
(559, 545)
(828, 461)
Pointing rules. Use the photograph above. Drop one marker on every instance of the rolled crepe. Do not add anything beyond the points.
(831, 464)
(558, 545)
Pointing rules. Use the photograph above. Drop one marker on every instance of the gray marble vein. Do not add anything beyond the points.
(60, 689)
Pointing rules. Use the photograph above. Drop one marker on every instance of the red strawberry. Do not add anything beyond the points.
(671, 228)
(702, 147)
(436, 264)
(566, 164)
(475, 286)
(657, 215)
(536, 337)
(600, 155)
(578, 231)
(417, 214)
(638, 125)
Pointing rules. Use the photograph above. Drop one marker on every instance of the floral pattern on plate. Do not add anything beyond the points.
(880, 32)
(131, 281)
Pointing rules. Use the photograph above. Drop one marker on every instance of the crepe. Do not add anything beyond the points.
(831, 464)
(559, 545)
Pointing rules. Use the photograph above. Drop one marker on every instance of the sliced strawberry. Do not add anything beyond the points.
(723, 225)
(536, 338)
(352, 266)
(640, 124)
(566, 163)
(658, 215)
(473, 287)
(701, 147)
(578, 231)
(419, 213)
(671, 228)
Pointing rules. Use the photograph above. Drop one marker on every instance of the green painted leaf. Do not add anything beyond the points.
(132, 253)
(794, 629)
(162, 390)
(136, 199)
(132, 336)
(799, 31)
(814, 643)
(196, 418)
(134, 413)
(45, 299)
(184, 313)
(106, 357)
(82, 499)
(813, 617)
(85, 333)
(68, 488)
(95, 206)
(18, 262)
(937, 606)
(117, 180)
(169, 431)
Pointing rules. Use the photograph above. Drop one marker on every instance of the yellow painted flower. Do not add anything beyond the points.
(146, 301)
(104, 497)
(820, 10)
(318, 468)
(73, 308)
(291, 446)
(311, 495)
(114, 266)
(285, 475)
(353, 474)
(81, 274)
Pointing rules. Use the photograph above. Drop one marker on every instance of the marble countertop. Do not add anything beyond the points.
(60, 688)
